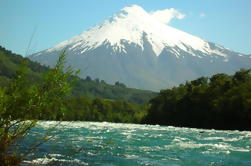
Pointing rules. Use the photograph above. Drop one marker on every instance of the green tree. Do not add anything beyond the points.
(220, 102)
(22, 104)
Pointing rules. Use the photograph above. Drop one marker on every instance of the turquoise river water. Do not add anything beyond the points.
(111, 144)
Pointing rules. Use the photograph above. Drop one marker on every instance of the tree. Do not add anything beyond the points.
(120, 84)
(220, 102)
(22, 104)
(242, 76)
(88, 78)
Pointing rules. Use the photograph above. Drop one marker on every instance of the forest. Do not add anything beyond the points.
(89, 100)
(219, 102)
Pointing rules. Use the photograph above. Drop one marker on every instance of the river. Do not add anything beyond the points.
(116, 144)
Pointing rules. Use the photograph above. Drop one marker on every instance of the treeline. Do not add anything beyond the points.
(88, 100)
(10, 64)
(86, 109)
(100, 89)
(218, 102)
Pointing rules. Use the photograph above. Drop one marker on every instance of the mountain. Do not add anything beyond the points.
(135, 48)
(10, 64)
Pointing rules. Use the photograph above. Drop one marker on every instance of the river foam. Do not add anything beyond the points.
(97, 144)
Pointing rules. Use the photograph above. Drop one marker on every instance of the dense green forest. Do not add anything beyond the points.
(98, 109)
(218, 102)
(90, 100)
(118, 91)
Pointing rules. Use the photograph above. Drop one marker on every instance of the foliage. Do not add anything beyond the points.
(219, 102)
(86, 109)
(85, 93)
(100, 89)
(21, 103)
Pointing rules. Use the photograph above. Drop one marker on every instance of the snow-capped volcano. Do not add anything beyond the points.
(137, 49)
(130, 25)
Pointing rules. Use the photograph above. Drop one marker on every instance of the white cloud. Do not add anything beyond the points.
(166, 15)
(202, 15)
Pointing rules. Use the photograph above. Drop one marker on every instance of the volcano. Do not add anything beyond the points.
(138, 50)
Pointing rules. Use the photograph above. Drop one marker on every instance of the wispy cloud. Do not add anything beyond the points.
(202, 15)
(166, 15)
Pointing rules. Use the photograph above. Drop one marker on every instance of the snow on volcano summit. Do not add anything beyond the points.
(130, 24)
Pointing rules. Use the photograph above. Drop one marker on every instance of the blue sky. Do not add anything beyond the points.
(225, 22)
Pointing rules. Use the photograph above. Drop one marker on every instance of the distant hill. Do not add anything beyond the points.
(10, 62)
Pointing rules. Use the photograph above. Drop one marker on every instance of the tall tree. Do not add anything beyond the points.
(22, 103)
